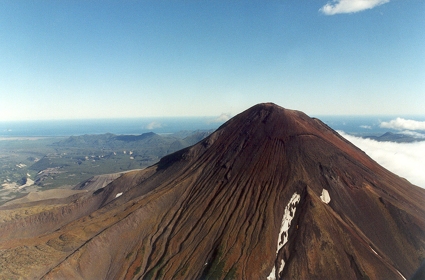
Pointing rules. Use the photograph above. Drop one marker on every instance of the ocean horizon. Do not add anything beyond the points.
(133, 126)
(355, 125)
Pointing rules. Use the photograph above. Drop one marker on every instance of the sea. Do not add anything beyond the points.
(133, 126)
(362, 126)
(354, 125)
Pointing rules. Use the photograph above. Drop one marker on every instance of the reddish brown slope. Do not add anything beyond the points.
(218, 210)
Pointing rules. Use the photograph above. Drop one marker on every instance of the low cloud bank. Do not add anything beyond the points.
(404, 159)
(350, 6)
(413, 134)
(403, 124)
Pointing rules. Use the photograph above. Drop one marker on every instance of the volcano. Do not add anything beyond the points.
(271, 194)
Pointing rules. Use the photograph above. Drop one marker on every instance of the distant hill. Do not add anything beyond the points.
(78, 158)
(147, 144)
(395, 137)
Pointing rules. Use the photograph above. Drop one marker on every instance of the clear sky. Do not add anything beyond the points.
(108, 59)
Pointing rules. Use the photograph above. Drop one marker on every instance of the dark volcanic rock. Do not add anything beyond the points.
(271, 194)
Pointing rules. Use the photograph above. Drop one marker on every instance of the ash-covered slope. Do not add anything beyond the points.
(271, 194)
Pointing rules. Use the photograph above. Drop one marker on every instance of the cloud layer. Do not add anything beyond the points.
(350, 6)
(403, 124)
(403, 159)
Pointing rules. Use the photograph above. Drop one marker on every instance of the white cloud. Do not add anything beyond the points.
(366, 126)
(153, 125)
(413, 134)
(222, 118)
(350, 6)
(403, 124)
(403, 159)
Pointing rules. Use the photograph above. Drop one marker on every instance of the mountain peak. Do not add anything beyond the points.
(270, 114)
(271, 194)
(265, 128)
(271, 120)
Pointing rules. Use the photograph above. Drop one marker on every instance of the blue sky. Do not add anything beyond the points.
(109, 59)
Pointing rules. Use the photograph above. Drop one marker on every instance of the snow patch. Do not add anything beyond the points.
(401, 275)
(118, 195)
(288, 215)
(286, 220)
(373, 251)
(272, 275)
(282, 265)
(325, 197)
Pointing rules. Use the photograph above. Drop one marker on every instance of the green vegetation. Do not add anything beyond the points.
(154, 270)
(184, 269)
(137, 270)
(128, 255)
(45, 163)
(232, 274)
(215, 270)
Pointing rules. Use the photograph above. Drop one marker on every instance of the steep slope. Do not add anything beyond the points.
(271, 194)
